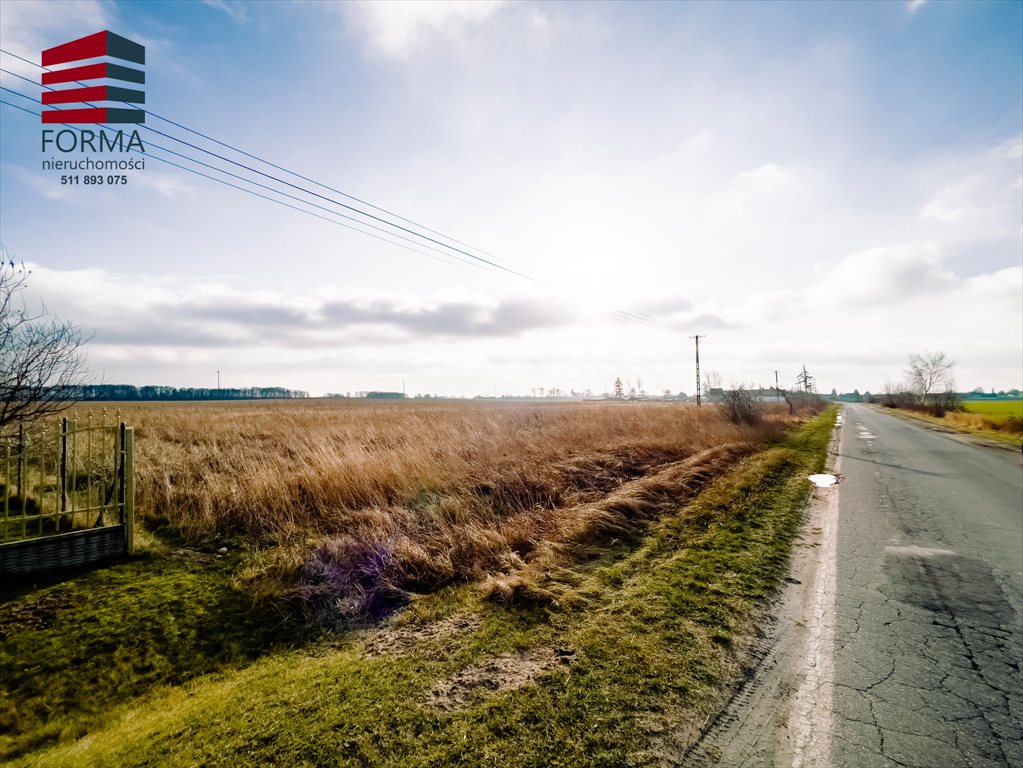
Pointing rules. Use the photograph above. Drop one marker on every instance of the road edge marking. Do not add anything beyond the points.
(811, 717)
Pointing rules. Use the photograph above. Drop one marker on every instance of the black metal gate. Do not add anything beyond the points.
(67, 494)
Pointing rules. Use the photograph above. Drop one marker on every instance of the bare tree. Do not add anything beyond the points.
(929, 371)
(42, 358)
(806, 382)
(711, 380)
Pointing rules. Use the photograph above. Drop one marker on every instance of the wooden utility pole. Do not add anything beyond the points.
(777, 389)
(698, 337)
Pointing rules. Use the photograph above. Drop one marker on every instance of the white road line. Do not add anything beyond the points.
(810, 719)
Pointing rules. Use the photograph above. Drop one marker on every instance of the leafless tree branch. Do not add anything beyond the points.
(42, 357)
(927, 372)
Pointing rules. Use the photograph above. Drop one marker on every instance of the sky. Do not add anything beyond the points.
(831, 184)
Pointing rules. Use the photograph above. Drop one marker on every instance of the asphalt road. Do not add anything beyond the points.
(928, 637)
(899, 638)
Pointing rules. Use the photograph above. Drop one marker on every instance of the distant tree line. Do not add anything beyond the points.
(122, 392)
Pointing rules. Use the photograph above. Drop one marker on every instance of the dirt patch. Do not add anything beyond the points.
(506, 672)
(436, 640)
(187, 555)
(38, 614)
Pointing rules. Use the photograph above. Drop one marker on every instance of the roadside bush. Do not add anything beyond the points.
(741, 406)
(804, 403)
(896, 398)
(936, 405)
(343, 578)
(946, 402)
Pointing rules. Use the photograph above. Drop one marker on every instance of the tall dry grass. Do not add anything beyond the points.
(355, 503)
(1009, 424)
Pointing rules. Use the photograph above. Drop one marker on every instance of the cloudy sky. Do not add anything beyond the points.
(831, 184)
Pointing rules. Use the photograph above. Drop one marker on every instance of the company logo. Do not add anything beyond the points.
(102, 44)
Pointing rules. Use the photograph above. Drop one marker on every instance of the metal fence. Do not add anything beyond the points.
(67, 493)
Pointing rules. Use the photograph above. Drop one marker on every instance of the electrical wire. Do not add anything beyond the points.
(266, 187)
(624, 314)
(307, 191)
(470, 268)
(279, 167)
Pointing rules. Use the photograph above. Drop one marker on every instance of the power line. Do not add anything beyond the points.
(629, 315)
(280, 167)
(314, 194)
(250, 181)
(271, 189)
(470, 268)
(625, 314)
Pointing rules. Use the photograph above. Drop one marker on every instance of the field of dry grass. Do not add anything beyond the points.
(982, 422)
(162, 660)
(347, 506)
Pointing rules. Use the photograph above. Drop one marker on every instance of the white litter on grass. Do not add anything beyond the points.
(823, 481)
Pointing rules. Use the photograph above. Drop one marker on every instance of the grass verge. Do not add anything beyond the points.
(72, 651)
(648, 637)
(999, 428)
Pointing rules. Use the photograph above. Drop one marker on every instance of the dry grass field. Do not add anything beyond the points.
(350, 504)
(581, 584)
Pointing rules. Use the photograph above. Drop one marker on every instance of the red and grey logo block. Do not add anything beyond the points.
(100, 45)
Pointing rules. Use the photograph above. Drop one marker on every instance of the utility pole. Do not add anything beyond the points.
(698, 337)
(777, 389)
(218, 379)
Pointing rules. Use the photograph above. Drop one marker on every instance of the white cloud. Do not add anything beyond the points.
(136, 310)
(47, 187)
(987, 196)
(648, 165)
(884, 275)
(915, 5)
(235, 10)
(853, 324)
(166, 184)
(1001, 290)
(397, 30)
(768, 178)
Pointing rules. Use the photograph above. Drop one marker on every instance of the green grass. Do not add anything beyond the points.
(999, 421)
(998, 409)
(159, 662)
(72, 651)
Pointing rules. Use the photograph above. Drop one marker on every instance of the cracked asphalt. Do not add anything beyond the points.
(929, 599)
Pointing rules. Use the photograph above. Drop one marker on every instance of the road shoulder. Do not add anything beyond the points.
(778, 711)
